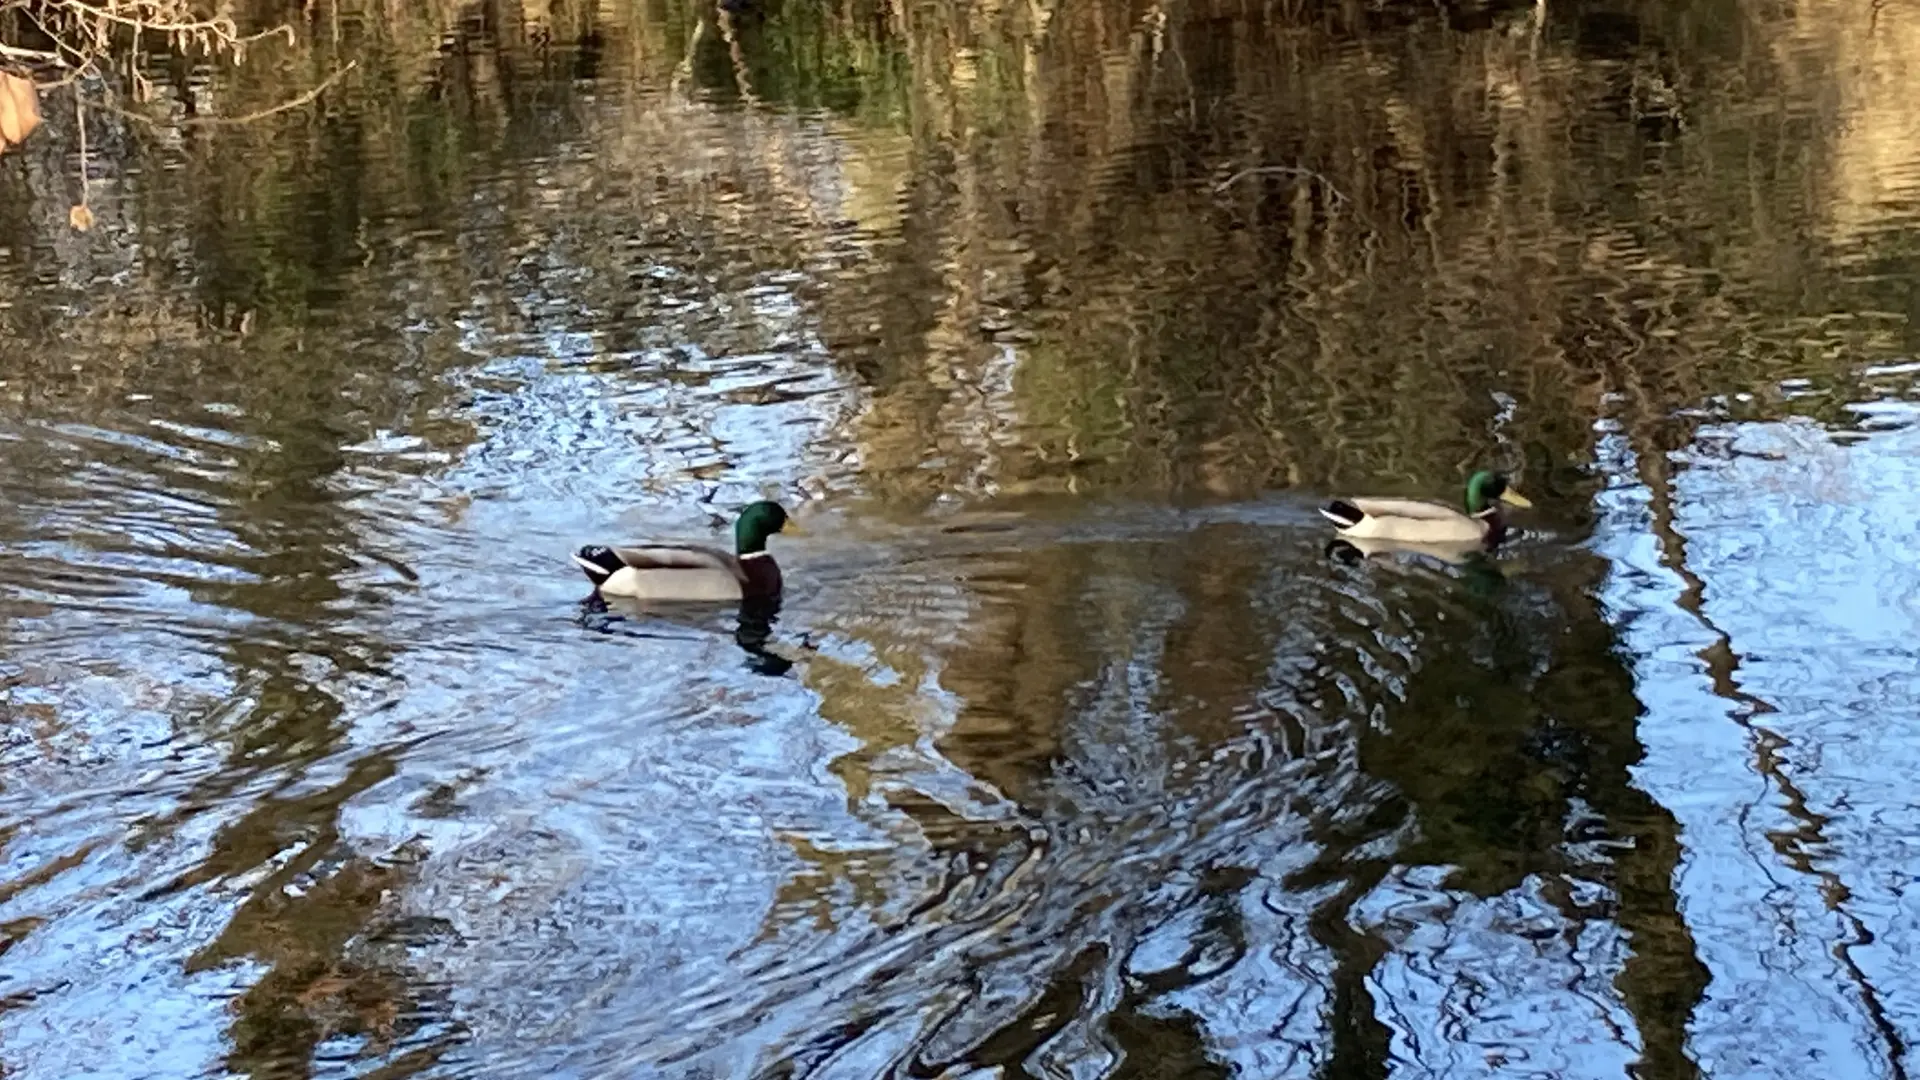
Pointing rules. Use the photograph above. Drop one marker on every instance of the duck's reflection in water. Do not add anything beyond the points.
(753, 626)
(753, 633)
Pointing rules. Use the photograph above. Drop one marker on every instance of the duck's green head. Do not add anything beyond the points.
(757, 522)
(1486, 487)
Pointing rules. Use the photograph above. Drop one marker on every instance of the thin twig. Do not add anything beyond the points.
(245, 118)
(60, 44)
(220, 25)
(1281, 170)
(19, 53)
(291, 103)
(80, 122)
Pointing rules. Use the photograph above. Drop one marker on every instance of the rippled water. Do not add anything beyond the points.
(1072, 751)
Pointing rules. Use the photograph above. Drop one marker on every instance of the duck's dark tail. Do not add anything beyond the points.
(599, 562)
(1342, 513)
(1343, 551)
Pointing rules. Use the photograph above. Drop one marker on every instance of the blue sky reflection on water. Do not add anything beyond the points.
(1781, 762)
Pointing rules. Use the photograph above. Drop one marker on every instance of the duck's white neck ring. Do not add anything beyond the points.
(755, 555)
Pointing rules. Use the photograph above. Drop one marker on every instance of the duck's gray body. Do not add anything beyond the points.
(1415, 521)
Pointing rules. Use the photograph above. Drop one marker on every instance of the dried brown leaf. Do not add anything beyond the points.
(19, 109)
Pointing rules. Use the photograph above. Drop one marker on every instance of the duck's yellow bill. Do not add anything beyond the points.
(793, 528)
(1514, 498)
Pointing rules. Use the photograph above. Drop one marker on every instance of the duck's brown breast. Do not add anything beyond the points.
(763, 576)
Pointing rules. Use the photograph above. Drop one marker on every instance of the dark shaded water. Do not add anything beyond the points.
(1071, 753)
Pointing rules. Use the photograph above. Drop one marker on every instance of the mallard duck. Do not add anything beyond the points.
(1416, 521)
(690, 572)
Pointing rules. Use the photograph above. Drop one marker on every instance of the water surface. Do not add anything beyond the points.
(1071, 751)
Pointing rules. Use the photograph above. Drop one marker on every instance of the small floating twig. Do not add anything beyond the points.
(1281, 170)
